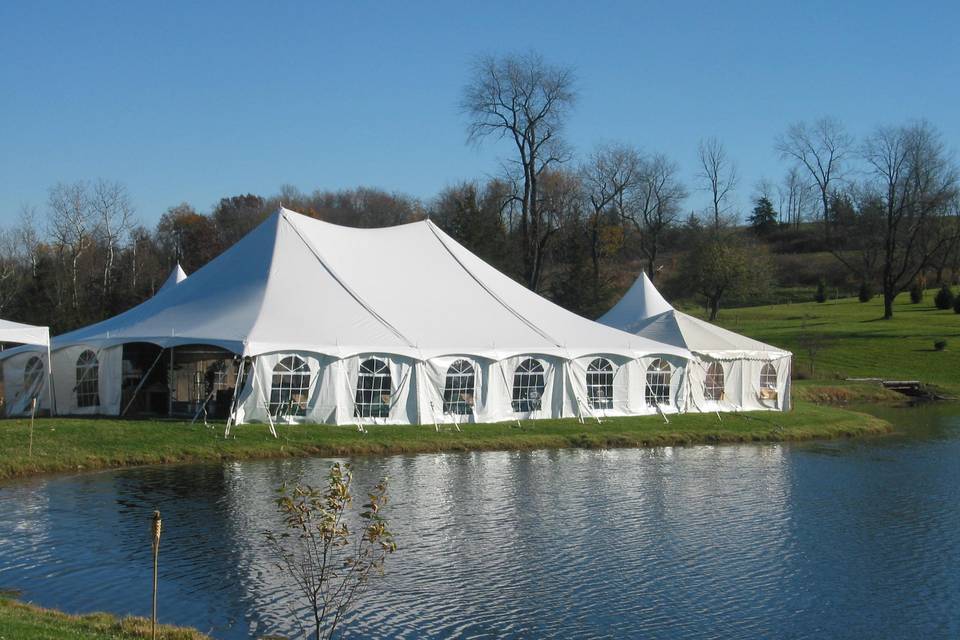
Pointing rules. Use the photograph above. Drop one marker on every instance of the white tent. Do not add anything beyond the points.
(176, 276)
(394, 325)
(729, 371)
(26, 370)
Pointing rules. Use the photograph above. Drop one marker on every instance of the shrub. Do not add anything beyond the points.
(821, 295)
(866, 292)
(944, 299)
(916, 293)
(940, 345)
(956, 304)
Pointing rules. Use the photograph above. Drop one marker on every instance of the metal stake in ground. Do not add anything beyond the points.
(156, 527)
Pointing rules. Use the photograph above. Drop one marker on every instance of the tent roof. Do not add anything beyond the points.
(703, 338)
(176, 276)
(295, 283)
(644, 312)
(642, 300)
(23, 333)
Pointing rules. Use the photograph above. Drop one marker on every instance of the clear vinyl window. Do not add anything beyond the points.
(290, 387)
(88, 380)
(768, 377)
(459, 389)
(33, 376)
(600, 384)
(658, 382)
(714, 384)
(528, 384)
(373, 389)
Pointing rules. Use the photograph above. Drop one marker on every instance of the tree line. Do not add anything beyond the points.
(573, 227)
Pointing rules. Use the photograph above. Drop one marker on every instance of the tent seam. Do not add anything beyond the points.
(333, 274)
(493, 295)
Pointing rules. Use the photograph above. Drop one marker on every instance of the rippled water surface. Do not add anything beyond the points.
(851, 539)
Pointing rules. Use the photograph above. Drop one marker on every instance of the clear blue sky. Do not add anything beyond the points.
(195, 101)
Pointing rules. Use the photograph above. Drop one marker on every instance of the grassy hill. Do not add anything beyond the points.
(854, 341)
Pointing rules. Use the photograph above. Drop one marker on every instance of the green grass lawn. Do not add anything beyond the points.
(63, 444)
(856, 341)
(21, 621)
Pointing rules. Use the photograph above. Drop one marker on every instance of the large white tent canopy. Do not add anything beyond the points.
(24, 333)
(326, 309)
(299, 283)
(29, 366)
(743, 364)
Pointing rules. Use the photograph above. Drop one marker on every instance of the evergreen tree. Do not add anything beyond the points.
(764, 216)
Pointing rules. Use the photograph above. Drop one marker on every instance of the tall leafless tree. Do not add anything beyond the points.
(821, 149)
(525, 100)
(70, 222)
(913, 183)
(654, 205)
(607, 174)
(795, 195)
(112, 215)
(718, 176)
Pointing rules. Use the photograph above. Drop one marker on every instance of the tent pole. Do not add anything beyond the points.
(170, 386)
(140, 384)
(203, 406)
(51, 396)
(236, 394)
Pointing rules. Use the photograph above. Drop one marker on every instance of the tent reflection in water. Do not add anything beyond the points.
(306, 321)
(26, 369)
(729, 371)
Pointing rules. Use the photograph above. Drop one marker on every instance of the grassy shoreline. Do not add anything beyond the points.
(69, 445)
(24, 621)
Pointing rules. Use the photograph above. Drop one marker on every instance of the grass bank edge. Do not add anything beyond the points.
(68, 445)
(25, 621)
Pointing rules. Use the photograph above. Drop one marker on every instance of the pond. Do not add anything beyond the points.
(843, 539)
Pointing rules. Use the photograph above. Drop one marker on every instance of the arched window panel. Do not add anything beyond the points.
(290, 387)
(33, 376)
(768, 377)
(714, 384)
(659, 374)
(374, 389)
(88, 380)
(600, 384)
(460, 388)
(528, 384)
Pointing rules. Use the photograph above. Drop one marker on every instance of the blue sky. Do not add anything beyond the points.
(196, 101)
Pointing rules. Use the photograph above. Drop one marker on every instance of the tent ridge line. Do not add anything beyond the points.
(353, 294)
(493, 295)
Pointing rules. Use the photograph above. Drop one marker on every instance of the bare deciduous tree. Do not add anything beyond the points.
(718, 176)
(70, 224)
(526, 100)
(912, 183)
(655, 205)
(821, 149)
(795, 196)
(113, 219)
(609, 173)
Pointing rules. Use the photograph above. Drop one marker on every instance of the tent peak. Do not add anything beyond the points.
(177, 275)
(642, 300)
